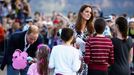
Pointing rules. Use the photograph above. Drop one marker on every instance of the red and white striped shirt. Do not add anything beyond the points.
(99, 53)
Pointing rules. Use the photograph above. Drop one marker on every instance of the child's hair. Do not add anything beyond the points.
(99, 25)
(42, 55)
(66, 34)
(122, 25)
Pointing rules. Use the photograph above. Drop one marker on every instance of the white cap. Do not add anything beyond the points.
(131, 20)
(109, 18)
(28, 19)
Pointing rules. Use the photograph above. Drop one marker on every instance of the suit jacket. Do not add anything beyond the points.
(16, 41)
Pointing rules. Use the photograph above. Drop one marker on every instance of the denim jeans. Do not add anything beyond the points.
(12, 71)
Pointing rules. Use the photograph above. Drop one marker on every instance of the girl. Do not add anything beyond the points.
(41, 66)
(123, 50)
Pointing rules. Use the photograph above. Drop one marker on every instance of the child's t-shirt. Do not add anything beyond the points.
(65, 59)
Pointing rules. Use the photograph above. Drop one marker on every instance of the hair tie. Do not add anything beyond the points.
(42, 61)
(39, 46)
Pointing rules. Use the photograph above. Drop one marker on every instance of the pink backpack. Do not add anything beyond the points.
(19, 59)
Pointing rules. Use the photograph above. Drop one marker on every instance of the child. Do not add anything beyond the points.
(99, 50)
(64, 58)
(123, 49)
(41, 66)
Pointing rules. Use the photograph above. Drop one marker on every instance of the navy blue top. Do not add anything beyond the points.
(121, 56)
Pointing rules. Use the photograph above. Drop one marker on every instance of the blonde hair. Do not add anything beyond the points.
(33, 29)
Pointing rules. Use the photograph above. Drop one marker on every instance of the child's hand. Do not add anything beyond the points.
(31, 60)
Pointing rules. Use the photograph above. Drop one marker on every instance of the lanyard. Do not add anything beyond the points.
(26, 45)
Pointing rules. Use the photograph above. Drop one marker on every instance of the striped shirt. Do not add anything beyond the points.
(99, 53)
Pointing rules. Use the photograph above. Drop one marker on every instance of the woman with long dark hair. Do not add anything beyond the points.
(84, 22)
(83, 28)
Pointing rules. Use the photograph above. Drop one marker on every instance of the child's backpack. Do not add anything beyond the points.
(19, 59)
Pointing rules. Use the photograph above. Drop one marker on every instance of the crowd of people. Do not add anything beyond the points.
(86, 43)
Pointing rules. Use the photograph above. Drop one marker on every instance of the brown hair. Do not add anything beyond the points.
(122, 25)
(42, 55)
(66, 34)
(89, 23)
(99, 25)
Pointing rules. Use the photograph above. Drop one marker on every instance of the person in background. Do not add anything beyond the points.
(16, 27)
(37, 16)
(99, 53)
(107, 32)
(64, 58)
(131, 34)
(131, 28)
(5, 24)
(26, 8)
(71, 17)
(2, 37)
(29, 22)
(123, 49)
(25, 41)
(41, 65)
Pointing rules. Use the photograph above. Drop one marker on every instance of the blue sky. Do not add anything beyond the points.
(107, 6)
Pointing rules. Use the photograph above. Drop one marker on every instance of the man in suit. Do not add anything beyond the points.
(20, 40)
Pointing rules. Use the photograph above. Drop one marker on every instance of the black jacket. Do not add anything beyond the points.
(16, 41)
